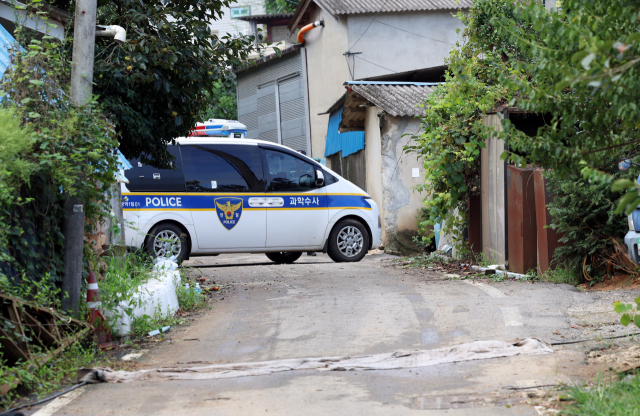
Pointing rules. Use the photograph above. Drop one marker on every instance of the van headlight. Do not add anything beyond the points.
(630, 219)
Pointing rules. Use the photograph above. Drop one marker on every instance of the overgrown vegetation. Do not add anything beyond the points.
(577, 67)
(613, 397)
(452, 132)
(50, 151)
(61, 370)
(584, 213)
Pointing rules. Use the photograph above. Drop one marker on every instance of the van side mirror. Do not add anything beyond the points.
(319, 178)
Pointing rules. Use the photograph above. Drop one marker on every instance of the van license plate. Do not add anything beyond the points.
(237, 135)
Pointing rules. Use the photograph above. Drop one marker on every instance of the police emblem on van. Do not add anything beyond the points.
(229, 211)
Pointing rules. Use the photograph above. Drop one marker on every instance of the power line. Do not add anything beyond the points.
(370, 23)
(395, 72)
(411, 33)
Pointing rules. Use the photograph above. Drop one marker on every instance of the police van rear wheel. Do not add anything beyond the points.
(286, 257)
(166, 240)
(348, 241)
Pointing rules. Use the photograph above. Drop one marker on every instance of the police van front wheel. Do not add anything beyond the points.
(286, 257)
(348, 241)
(166, 240)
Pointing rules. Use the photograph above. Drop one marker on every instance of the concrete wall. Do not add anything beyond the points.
(327, 71)
(492, 177)
(399, 200)
(397, 42)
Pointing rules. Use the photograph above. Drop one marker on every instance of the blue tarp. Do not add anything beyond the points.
(6, 42)
(350, 142)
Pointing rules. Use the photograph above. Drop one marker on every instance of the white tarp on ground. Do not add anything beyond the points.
(478, 350)
(158, 294)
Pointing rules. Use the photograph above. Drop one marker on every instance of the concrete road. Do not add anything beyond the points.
(317, 308)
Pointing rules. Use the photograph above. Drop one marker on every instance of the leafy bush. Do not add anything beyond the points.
(584, 212)
(71, 154)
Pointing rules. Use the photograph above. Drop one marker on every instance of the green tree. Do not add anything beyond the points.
(281, 6)
(171, 69)
(582, 70)
(224, 104)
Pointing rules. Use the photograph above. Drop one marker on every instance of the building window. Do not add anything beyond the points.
(241, 11)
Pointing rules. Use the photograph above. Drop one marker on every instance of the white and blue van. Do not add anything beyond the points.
(246, 196)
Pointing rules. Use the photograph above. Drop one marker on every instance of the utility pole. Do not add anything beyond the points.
(84, 40)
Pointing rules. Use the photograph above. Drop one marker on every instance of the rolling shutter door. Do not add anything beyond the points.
(292, 122)
(257, 103)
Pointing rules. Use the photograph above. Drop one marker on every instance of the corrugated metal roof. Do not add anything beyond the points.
(350, 142)
(337, 7)
(396, 99)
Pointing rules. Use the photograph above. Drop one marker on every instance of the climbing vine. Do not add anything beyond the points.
(452, 133)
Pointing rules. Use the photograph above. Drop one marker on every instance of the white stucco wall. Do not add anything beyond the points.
(397, 42)
(327, 71)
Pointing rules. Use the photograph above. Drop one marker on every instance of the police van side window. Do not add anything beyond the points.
(288, 173)
(222, 168)
(144, 178)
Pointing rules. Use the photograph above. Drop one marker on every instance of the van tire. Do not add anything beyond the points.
(284, 257)
(174, 238)
(348, 241)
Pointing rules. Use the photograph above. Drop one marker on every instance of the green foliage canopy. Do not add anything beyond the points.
(157, 84)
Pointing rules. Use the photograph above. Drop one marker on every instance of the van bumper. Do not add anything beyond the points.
(631, 241)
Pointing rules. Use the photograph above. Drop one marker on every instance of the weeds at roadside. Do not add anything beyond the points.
(123, 284)
(613, 397)
(425, 260)
(562, 274)
(481, 259)
(39, 382)
(188, 298)
(145, 323)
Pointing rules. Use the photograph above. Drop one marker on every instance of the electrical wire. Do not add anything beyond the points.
(370, 23)
(415, 34)
(46, 399)
(395, 72)
(593, 339)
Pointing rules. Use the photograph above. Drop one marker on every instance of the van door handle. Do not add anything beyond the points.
(275, 202)
(256, 202)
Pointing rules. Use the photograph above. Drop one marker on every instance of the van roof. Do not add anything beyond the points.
(226, 140)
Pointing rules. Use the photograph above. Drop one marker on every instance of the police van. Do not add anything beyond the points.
(225, 195)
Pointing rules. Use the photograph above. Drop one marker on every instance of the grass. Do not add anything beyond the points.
(52, 376)
(605, 398)
(425, 260)
(562, 274)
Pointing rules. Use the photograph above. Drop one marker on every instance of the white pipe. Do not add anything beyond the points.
(117, 32)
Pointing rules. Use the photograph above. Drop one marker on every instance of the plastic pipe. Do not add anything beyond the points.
(307, 28)
(117, 32)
